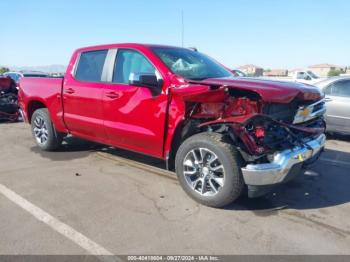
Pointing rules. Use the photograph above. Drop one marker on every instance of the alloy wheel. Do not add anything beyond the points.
(40, 130)
(203, 171)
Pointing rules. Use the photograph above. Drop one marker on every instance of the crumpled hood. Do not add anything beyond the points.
(269, 90)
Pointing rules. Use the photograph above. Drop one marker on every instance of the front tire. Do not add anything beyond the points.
(44, 132)
(209, 169)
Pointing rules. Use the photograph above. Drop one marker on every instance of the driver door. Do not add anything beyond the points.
(134, 116)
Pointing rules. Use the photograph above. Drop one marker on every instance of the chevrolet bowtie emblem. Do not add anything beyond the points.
(305, 112)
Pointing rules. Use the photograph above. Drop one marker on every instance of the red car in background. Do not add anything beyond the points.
(8, 100)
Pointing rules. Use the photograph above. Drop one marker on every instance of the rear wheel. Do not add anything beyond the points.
(208, 168)
(44, 132)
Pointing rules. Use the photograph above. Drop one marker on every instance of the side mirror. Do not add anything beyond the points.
(146, 80)
(307, 77)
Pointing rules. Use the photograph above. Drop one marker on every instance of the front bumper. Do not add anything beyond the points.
(283, 164)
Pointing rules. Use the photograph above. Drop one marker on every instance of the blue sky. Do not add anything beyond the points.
(272, 34)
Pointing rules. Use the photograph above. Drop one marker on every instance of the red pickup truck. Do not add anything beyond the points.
(220, 133)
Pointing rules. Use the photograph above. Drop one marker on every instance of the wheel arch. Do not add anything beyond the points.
(34, 105)
(184, 129)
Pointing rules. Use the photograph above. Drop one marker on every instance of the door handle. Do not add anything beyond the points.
(112, 95)
(69, 91)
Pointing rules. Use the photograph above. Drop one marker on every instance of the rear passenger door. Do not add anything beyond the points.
(82, 94)
(134, 115)
(338, 106)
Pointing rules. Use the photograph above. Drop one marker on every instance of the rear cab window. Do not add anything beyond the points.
(90, 66)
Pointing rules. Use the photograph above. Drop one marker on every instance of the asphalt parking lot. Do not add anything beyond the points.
(87, 199)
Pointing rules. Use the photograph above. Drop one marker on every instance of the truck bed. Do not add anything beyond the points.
(46, 92)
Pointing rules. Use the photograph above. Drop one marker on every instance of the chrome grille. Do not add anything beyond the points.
(306, 113)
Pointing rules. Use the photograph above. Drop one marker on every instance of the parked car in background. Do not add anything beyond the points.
(238, 73)
(220, 132)
(337, 97)
(302, 76)
(16, 76)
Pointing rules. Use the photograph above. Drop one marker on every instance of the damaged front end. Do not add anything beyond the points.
(275, 139)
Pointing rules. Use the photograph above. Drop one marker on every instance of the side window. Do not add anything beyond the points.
(130, 61)
(328, 90)
(91, 65)
(300, 75)
(340, 88)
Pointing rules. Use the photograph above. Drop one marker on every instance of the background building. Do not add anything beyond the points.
(276, 72)
(322, 70)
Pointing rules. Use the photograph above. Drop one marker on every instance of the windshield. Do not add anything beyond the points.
(190, 64)
(312, 74)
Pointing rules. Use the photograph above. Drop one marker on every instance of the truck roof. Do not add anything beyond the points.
(124, 45)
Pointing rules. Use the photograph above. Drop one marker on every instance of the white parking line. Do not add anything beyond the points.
(67, 231)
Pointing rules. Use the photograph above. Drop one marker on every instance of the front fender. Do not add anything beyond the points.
(176, 116)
